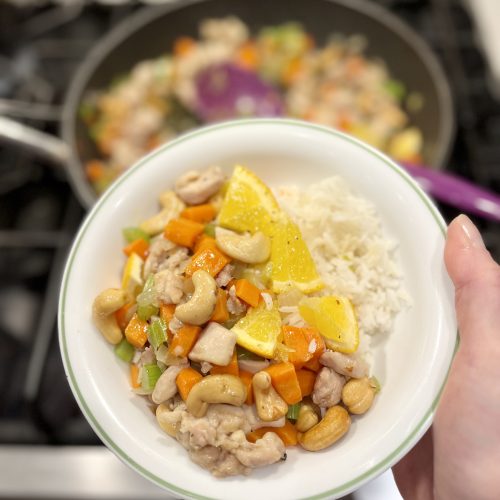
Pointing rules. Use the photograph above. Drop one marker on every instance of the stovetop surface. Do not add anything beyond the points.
(40, 48)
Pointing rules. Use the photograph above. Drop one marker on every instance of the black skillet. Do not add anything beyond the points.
(151, 32)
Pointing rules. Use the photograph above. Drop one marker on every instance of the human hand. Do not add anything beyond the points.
(459, 457)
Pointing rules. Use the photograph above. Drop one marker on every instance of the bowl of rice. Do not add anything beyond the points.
(374, 237)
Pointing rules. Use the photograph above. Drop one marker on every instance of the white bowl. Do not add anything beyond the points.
(412, 363)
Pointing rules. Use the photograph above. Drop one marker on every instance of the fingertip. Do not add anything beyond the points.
(464, 233)
(464, 251)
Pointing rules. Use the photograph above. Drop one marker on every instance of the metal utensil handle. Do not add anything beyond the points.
(457, 192)
(44, 145)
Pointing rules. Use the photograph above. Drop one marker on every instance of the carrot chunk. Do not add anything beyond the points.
(183, 46)
(139, 246)
(284, 380)
(185, 381)
(95, 170)
(315, 341)
(247, 292)
(208, 258)
(199, 213)
(230, 369)
(313, 365)
(183, 232)
(246, 378)
(123, 315)
(252, 436)
(167, 314)
(184, 340)
(221, 314)
(306, 380)
(295, 339)
(136, 332)
(287, 433)
(134, 376)
(247, 56)
(203, 241)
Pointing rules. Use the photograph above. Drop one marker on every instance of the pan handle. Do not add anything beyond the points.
(43, 145)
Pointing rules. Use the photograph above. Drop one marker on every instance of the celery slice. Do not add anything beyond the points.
(145, 312)
(242, 353)
(157, 332)
(210, 230)
(134, 233)
(150, 375)
(125, 351)
(293, 411)
(146, 300)
(147, 295)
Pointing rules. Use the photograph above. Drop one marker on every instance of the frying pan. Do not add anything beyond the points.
(151, 32)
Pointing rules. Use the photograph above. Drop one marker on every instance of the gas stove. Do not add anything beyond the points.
(40, 48)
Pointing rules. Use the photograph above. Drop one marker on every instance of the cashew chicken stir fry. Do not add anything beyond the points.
(221, 318)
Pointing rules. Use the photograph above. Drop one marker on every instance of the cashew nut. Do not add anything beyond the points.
(227, 389)
(105, 304)
(165, 387)
(172, 207)
(270, 405)
(308, 417)
(331, 428)
(196, 187)
(200, 307)
(251, 249)
(167, 424)
(358, 395)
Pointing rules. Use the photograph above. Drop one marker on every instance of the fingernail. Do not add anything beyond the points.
(471, 237)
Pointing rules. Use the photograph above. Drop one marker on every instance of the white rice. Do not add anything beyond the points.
(352, 255)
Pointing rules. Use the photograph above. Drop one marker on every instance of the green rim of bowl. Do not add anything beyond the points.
(343, 488)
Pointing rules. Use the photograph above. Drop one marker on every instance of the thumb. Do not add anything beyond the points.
(476, 277)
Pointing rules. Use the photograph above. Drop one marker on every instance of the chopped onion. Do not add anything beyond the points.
(252, 365)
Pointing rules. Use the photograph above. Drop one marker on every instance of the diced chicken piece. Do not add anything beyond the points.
(225, 276)
(328, 388)
(126, 153)
(219, 462)
(169, 287)
(166, 387)
(217, 442)
(196, 187)
(163, 254)
(267, 450)
(230, 30)
(214, 428)
(201, 432)
(215, 345)
(345, 365)
(148, 119)
(176, 261)
(159, 250)
(205, 457)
